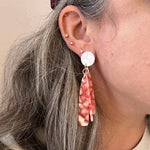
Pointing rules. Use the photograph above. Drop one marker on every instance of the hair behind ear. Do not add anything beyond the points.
(41, 87)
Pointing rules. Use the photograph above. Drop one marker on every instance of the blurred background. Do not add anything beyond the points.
(18, 18)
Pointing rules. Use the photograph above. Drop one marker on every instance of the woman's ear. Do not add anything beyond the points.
(74, 29)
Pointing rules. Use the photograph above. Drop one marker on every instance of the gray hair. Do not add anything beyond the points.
(41, 87)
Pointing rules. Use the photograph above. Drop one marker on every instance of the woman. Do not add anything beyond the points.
(41, 106)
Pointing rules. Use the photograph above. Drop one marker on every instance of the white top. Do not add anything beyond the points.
(144, 143)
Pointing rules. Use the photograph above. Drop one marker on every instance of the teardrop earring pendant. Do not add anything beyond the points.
(86, 108)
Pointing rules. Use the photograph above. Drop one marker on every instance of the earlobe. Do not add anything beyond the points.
(73, 27)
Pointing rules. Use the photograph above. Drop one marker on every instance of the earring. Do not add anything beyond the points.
(66, 35)
(86, 108)
(81, 51)
(71, 43)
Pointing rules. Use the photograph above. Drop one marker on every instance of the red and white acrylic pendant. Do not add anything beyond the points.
(86, 108)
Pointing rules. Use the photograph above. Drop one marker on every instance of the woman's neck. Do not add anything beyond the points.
(121, 119)
(123, 135)
(120, 130)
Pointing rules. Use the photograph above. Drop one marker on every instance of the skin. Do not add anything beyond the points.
(121, 72)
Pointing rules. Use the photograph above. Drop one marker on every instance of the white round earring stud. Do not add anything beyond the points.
(66, 35)
(71, 43)
(81, 51)
(87, 59)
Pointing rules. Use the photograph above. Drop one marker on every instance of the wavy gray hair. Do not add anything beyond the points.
(41, 85)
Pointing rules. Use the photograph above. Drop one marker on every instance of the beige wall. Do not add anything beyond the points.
(18, 18)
